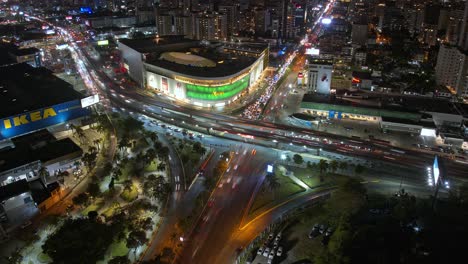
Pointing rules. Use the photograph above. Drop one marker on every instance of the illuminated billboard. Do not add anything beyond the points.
(326, 21)
(42, 118)
(103, 42)
(90, 100)
(313, 51)
(436, 171)
(218, 92)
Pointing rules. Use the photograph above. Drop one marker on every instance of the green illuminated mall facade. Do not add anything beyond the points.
(204, 91)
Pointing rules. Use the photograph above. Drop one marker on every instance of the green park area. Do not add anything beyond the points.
(275, 188)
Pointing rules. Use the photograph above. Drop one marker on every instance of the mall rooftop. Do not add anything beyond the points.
(392, 106)
(24, 88)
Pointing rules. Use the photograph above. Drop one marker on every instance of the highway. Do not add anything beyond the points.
(218, 233)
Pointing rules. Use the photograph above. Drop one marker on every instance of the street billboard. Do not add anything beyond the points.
(90, 100)
(103, 42)
(42, 118)
(436, 171)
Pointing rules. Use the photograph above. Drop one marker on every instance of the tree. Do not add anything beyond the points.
(135, 239)
(272, 182)
(81, 199)
(97, 143)
(116, 173)
(128, 185)
(93, 189)
(343, 165)
(112, 184)
(359, 169)
(79, 241)
(124, 143)
(89, 160)
(153, 136)
(119, 260)
(15, 257)
(92, 215)
(198, 148)
(298, 159)
(333, 166)
(323, 166)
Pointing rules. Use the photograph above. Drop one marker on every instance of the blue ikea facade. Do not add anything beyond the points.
(17, 125)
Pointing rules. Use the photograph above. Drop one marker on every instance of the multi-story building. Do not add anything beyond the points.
(319, 75)
(232, 18)
(210, 26)
(451, 69)
(359, 34)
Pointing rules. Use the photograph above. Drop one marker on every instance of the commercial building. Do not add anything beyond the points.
(205, 75)
(424, 116)
(29, 170)
(34, 98)
(319, 75)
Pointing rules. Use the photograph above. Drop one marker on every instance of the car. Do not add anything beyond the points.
(270, 236)
(315, 231)
(279, 252)
(329, 231)
(322, 229)
(269, 261)
(260, 251)
(177, 130)
(275, 243)
(272, 254)
(278, 237)
(266, 252)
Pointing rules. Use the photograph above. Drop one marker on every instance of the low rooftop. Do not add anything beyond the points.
(24, 88)
(40, 146)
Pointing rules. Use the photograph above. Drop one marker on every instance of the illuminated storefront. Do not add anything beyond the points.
(203, 91)
(216, 93)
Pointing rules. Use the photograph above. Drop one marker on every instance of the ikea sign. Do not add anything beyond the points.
(35, 120)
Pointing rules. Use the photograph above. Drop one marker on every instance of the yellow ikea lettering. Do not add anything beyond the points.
(35, 116)
(20, 120)
(49, 112)
(7, 123)
(30, 117)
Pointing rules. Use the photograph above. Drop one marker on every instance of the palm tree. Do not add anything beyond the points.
(323, 166)
(80, 133)
(343, 165)
(333, 166)
(272, 182)
(123, 143)
(73, 129)
(97, 142)
(153, 136)
(128, 184)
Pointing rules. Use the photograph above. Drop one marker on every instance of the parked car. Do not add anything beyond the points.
(270, 236)
(272, 254)
(260, 251)
(329, 231)
(266, 252)
(315, 231)
(279, 252)
(322, 229)
(278, 237)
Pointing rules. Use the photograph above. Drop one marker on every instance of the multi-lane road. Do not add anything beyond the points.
(217, 234)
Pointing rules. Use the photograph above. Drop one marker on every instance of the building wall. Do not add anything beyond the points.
(133, 62)
(41, 118)
(319, 78)
(205, 92)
